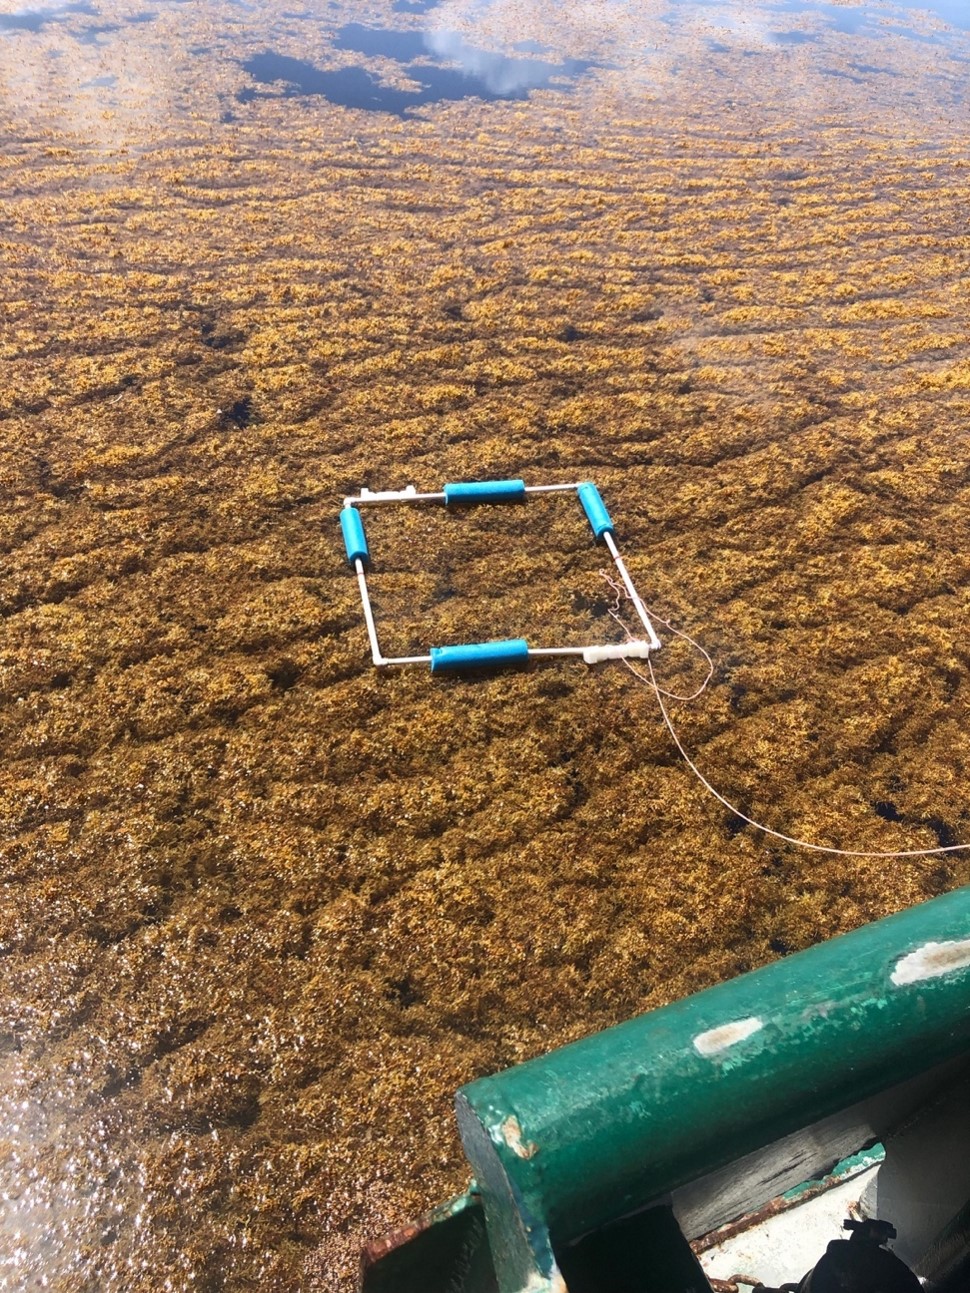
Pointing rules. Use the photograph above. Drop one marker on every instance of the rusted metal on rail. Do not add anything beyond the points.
(731, 1285)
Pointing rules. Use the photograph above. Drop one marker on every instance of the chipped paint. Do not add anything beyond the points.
(512, 1135)
(540, 1284)
(819, 1010)
(931, 960)
(715, 1040)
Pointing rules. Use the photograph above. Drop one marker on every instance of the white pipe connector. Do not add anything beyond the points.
(638, 650)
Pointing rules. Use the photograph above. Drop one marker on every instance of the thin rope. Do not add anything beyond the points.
(614, 610)
(768, 830)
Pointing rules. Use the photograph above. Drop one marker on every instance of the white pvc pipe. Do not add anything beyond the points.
(557, 650)
(375, 649)
(634, 595)
(391, 496)
(595, 652)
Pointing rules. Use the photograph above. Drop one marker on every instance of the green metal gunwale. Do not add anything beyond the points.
(575, 1139)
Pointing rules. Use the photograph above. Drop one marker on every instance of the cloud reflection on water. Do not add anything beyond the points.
(502, 75)
(733, 21)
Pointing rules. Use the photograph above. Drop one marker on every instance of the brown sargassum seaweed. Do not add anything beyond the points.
(264, 908)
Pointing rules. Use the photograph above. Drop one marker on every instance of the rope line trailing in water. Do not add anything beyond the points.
(660, 693)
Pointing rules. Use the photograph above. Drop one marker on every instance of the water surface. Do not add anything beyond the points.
(480, 74)
(262, 909)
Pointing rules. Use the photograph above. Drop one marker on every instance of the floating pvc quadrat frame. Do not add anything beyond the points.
(508, 651)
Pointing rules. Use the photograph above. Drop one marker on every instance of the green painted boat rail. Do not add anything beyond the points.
(570, 1144)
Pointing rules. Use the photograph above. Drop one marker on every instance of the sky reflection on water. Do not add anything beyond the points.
(423, 58)
(447, 65)
(35, 20)
(489, 50)
(864, 19)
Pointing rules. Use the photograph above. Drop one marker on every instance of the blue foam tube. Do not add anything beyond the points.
(484, 491)
(354, 539)
(479, 655)
(595, 509)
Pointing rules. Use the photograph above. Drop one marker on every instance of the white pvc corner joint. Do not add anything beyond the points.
(638, 650)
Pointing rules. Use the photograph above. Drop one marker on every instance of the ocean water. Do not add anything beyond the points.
(264, 908)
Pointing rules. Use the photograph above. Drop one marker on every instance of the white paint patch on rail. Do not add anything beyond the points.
(931, 960)
(720, 1039)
